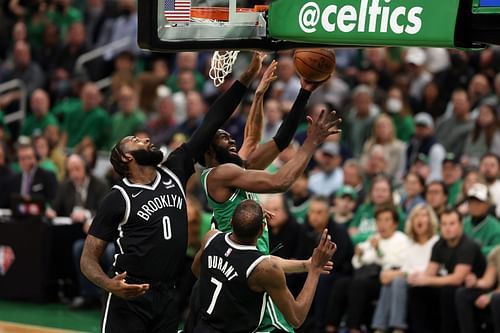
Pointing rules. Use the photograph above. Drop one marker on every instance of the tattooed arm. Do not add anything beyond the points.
(89, 264)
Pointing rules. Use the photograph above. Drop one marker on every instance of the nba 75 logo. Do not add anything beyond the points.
(7, 258)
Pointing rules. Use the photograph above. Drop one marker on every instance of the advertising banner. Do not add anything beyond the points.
(428, 23)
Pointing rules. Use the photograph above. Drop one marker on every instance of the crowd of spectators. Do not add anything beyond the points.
(409, 191)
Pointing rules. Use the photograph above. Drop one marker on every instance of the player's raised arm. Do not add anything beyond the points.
(229, 176)
(222, 109)
(270, 277)
(255, 119)
(266, 153)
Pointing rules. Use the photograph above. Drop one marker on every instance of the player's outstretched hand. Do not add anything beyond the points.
(323, 252)
(326, 125)
(253, 69)
(125, 290)
(268, 77)
(311, 86)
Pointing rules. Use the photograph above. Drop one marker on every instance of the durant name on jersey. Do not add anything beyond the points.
(215, 262)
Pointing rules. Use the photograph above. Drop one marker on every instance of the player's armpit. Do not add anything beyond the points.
(269, 277)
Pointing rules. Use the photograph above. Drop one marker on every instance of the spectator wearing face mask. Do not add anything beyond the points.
(397, 108)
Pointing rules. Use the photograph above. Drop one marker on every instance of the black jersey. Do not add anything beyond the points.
(227, 302)
(148, 222)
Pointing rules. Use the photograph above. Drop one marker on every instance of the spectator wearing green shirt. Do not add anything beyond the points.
(480, 224)
(40, 118)
(399, 111)
(363, 223)
(452, 177)
(86, 119)
(63, 15)
(129, 119)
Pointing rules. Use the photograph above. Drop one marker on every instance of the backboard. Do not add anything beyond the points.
(177, 25)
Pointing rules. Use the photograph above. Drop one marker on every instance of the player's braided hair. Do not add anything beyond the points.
(117, 160)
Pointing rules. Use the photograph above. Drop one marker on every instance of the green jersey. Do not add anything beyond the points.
(486, 233)
(223, 212)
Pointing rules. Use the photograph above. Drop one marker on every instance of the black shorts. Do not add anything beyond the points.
(155, 311)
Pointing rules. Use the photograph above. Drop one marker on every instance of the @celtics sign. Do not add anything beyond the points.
(369, 17)
(365, 22)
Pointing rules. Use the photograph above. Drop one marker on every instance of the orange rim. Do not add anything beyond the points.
(222, 13)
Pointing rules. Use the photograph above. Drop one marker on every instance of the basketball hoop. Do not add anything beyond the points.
(222, 65)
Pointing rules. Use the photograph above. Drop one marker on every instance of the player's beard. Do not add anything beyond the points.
(147, 157)
(224, 156)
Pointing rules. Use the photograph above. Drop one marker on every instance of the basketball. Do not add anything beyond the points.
(314, 65)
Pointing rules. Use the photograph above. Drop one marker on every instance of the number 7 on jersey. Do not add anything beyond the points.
(218, 287)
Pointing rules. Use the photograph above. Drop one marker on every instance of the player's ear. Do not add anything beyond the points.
(127, 157)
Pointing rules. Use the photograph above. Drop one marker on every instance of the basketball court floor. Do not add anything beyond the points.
(21, 317)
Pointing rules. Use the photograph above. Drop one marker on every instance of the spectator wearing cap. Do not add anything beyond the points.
(480, 225)
(394, 149)
(414, 187)
(452, 177)
(415, 59)
(330, 176)
(36, 122)
(397, 107)
(489, 168)
(424, 142)
(484, 137)
(480, 297)
(436, 195)
(344, 205)
(359, 120)
(452, 131)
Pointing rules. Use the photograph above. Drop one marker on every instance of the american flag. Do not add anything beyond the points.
(178, 10)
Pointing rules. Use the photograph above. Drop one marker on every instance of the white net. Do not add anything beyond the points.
(222, 65)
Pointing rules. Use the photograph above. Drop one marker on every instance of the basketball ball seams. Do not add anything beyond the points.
(312, 68)
(314, 64)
